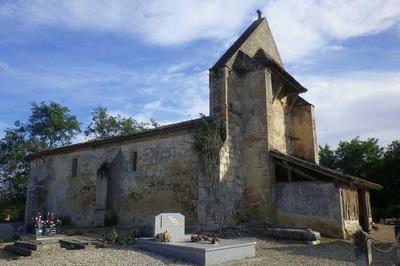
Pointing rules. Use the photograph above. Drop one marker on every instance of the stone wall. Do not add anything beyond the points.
(315, 205)
(254, 150)
(303, 133)
(239, 97)
(244, 157)
(106, 185)
(278, 124)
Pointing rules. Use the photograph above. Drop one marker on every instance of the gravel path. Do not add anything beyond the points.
(280, 252)
(121, 255)
(269, 252)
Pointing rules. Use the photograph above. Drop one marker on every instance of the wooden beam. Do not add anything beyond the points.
(293, 101)
(297, 171)
(278, 91)
(364, 210)
(281, 164)
(312, 168)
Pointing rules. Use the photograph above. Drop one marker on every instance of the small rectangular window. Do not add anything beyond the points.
(74, 167)
(134, 161)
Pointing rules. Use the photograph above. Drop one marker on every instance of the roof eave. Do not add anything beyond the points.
(185, 125)
(343, 178)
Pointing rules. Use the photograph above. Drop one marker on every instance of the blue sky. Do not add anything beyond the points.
(150, 59)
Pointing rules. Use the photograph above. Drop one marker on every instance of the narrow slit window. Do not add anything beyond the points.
(74, 167)
(134, 161)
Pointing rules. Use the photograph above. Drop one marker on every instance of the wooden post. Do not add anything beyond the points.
(363, 249)
(364, 210)
(289, 174)
(397, 251)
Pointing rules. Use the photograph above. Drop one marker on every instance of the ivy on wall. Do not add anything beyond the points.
(209, 136)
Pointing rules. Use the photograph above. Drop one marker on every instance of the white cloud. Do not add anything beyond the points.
(80, 138)
(160, 93)
(303, 27)
(356, 103)
(4, 67)
(180, 94)
(159, 22)
(299, 27)
(179, 67)
(346, 105)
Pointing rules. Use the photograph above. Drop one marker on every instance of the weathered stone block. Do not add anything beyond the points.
(6, 232)
(307, 235)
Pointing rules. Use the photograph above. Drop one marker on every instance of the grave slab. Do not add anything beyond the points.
(30, 244)
(203, 253)
(6, 232)
(42, 238)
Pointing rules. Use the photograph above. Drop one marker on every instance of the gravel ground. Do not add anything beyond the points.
(269, 252)
(121, 255)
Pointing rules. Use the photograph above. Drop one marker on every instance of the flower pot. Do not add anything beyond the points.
(38, 232)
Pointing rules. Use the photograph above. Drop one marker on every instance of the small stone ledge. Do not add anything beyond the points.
(307, 235)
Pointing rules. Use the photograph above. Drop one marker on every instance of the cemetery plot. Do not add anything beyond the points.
(170, 240)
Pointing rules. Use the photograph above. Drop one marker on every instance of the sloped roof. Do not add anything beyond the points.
(327, 172)
(237, 44)
(302, 101)
(186, 125)
(268, 61)
(265, 59)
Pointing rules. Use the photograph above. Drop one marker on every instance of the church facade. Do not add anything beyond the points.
(266, 171)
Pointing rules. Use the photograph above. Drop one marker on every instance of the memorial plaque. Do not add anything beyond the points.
(174, 223)
(50, 231)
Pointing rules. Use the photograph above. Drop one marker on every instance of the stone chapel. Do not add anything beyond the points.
(268, 172)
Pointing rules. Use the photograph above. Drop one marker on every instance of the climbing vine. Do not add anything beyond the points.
(241, 67)
(209, 136)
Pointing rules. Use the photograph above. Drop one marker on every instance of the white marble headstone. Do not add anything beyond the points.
(174, 223)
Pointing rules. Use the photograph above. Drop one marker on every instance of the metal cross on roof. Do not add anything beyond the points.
(259, 13)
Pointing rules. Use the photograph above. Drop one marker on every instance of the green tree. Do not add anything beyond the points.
(327, 156)
(362, 158)
(366, 159)
(13, 148)
(14, 170)
(103, 125)
(49, 125)
(391, 180)
(52, 124)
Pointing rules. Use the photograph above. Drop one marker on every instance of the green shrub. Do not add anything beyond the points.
(12, 210)
(113, 237)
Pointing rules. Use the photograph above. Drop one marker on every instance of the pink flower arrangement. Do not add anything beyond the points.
(45, 226)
